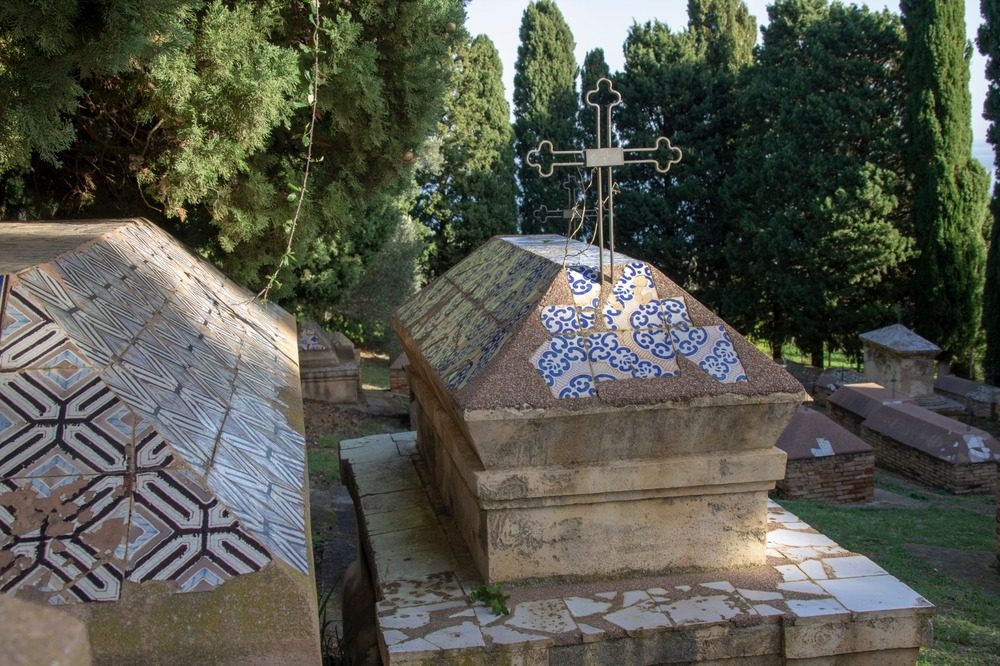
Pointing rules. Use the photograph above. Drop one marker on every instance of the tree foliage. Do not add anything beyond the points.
(819, 197)
(685, 86)
(950, 189)
(469, 193)
(192, 112)
(545, 106)
(989, 46)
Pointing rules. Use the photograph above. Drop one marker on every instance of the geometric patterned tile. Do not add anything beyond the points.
(63, 537)
(51, 426)
(182, 533)
(28, 336)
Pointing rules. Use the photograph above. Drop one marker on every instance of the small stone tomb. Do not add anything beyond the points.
(810, 602)
(978, 399)
(398, 383)
(825, 461)
(330, 366)
(900, 360)
(585, 426)
(152, 461)
(832, 379)
(914, 441)
(851, 404)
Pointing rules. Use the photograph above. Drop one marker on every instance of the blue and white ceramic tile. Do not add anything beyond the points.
(51, 426)
(631, 355)
(711, 348)
(673, 312)
(585, 285)
(563, 364)
(181, 533)
(633, 302)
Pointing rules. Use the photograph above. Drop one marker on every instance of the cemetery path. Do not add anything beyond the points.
(333, 521)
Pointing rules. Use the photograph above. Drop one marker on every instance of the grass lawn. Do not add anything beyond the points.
(374, 371)
(938, 547)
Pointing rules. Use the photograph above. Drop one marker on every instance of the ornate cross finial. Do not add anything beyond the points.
(602, 158)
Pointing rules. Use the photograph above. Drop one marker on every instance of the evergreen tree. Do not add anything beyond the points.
(949, 187)
(192, 112)
(545, 106)
(595, 68)
(685, 86)
(989, 46)
(470, 195)
(820, 237)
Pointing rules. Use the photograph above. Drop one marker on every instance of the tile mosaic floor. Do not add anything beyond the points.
(425, 582)
(134, 371)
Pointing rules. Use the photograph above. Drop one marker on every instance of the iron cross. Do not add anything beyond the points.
(603, 158)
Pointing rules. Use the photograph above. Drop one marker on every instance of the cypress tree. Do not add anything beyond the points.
(818, 240)
(595, 67)
(192, 112)
(471, 195)
(545, 106)
(685, 86)
(989, 46)
(949, 187)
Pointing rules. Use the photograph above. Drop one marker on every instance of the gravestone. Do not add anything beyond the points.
(976, 399)
(608, 467)
(900, 360)
(152, 458)
(330, 366)
(633, 436)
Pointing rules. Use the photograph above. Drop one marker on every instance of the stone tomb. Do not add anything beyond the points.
(900, 360)
(578, 432)
(916, 442)
(978, 399)
(330, 366)
(152, 458)
(825, 461)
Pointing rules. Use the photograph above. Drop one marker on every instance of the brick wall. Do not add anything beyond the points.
(960, 479)
(839, 478)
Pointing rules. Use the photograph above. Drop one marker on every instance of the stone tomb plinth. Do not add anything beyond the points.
(330, 366)
(900, 360)
(585, 427)
(809, 602)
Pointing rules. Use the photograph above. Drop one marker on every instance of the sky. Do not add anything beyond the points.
(605, 23)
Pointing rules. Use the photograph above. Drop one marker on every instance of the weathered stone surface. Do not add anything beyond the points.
(898, 358)
(329, 365)
(32, 634)
(811, 602)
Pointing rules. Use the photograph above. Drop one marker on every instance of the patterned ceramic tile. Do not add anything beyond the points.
(633, 301)
(64, 537)
(52, 422)
(712, 349)
(180, 532)
(564, 366)
(631, 355)
(28, 336)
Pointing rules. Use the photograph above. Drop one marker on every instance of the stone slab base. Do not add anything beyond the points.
(812, 602)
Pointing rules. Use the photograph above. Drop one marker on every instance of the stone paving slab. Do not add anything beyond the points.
(812, 599)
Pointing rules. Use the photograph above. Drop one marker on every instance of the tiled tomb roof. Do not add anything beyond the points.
(899, 339)
(518, 324)
(864, 399)
(152, 404)
(811, 434)
(936, 435)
